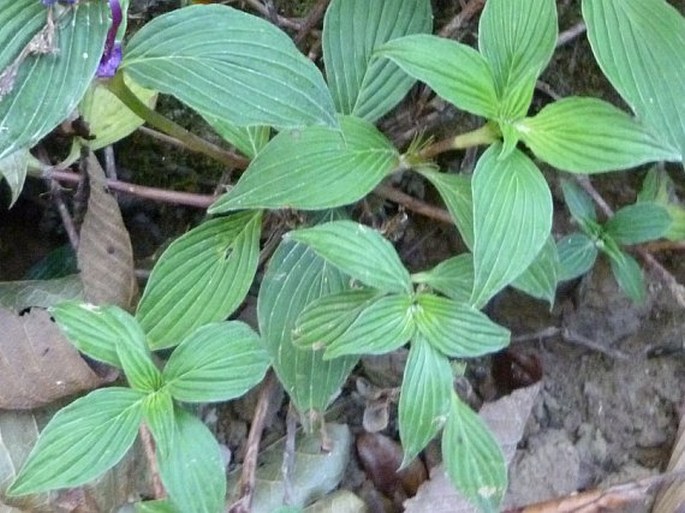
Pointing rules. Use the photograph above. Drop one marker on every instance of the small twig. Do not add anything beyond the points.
(289, 454)
(463, 17)
(573, 338)
(110, 163)
(314, 17)
(413, 204)
(150, 454)
(570, 34)
(271, 16)
(67, 221)
(247, 478)
(659, 246)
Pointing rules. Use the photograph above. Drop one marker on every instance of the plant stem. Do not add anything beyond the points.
(486, 134)
(119, 88)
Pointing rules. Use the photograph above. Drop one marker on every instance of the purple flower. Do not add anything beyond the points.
(111, 57)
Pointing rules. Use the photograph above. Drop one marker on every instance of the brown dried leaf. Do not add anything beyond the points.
(672, 497)
(105, 257)
(37, 363)
(506, 418)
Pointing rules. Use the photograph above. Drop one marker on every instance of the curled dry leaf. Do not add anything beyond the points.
(506, 418)
(37, 363)
(672, 497)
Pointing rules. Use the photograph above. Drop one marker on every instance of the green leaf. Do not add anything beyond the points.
(424, 398)
(134, 354)
(638, 223)
(96, 330)
(295, 277)
(541, 278)
(457, 329)
(473, 460)
(59, 263)
(577, 255)
(578, 201)
(249, 140)
(517, 40)
(628, 275)
(452, 277)
(191, 468)
(217, 362)
(640, 46)
(202, 277)
(588, 135)
(51, 83)
(381, 327)
(314, 168)
(455, 191)
(82, 441)
(456, 72)
(13, 168)
(353, 29)
(512, 211)
(329, 316)
(158, 506)
(208, 56)
(158, 414)
(359, 251)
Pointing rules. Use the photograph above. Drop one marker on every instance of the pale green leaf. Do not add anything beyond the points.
(638, 223)
(82, 441)
(512, 211)
(158, 506)
(19, 295)
(452, 277)
(657, 186)
(134, 354)
(47, 87)
(96, 330)
(457, 329)
(676, 231)
(314, 168)
(588, 135)
(628, 275)
(13, 169)
(217, 362)
(202, 277)
(229, 65)
(640, 46)
(191, 467)
(579, 203)
(455, 71)
(328, 317)
(473, 460)
(541, 278)
(158, 414)
(424, 398)
(249, 140)
(359, 251)
(455, 191)
(517, 40)
(353, 29)
(295, 277)
(381, 327)
(577, 255)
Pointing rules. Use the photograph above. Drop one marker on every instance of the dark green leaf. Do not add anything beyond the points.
(638, 223)
(191, 468)
(353, 29)
(512, 208)
(457, 329)
(217, 362)
(13, 169)
(424, 398)
(587, 135)
(517, 40)
(359, 251)
(577, 255)
(455, 191)
(455, 71)
(381, 327)
(96, 330)
(58, 263)
(628, 275)
(202, 277)
(328, 317)
(231, 66)
(541, 277)
(578, 202)
(314, 168)
(82, 441)
(452, 277)
(640, 46)
(473, 460)
(49, 83)
(296, 276)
